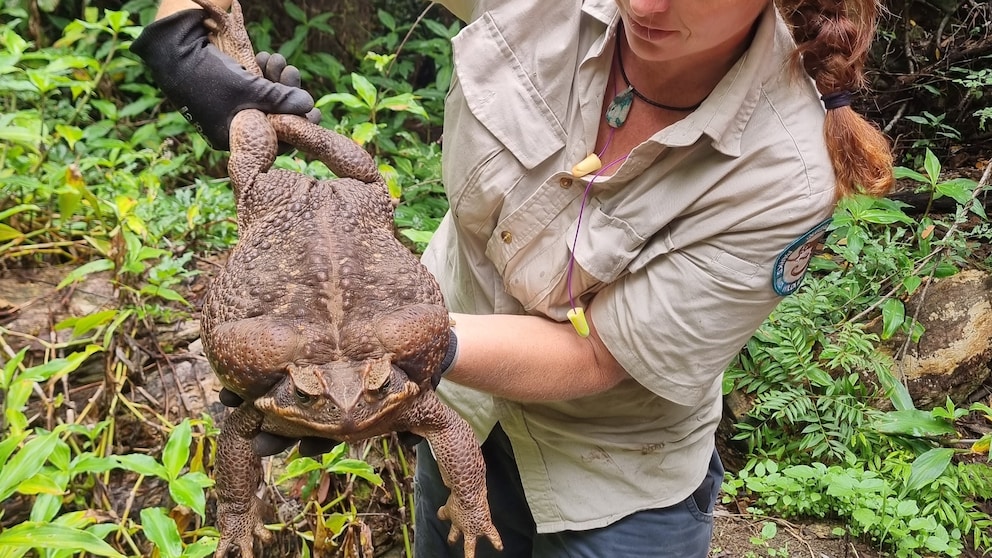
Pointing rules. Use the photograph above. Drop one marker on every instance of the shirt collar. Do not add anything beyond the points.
(603, 10)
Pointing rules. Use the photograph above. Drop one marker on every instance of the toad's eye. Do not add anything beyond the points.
(384, 388)
(303, 398)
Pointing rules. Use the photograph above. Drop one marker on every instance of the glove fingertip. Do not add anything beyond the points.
(312, 447)
(290, 76)
(262, 58)
(314, 116)
(296, 101)
(229, 398)
(265, 444)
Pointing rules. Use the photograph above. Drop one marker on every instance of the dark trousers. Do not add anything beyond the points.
(682, 530)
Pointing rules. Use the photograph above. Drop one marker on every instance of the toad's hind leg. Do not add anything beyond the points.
(343, 156)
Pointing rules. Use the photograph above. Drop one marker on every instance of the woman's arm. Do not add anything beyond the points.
(528, 358)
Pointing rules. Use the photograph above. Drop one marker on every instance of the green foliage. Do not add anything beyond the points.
(820, 444)
(94, 171)
(88, 169)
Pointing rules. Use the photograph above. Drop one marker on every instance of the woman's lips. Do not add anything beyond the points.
(647, 33)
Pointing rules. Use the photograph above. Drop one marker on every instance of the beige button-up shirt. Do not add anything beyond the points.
(675, 253)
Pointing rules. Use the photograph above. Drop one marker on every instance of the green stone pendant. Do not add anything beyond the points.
(616, 113)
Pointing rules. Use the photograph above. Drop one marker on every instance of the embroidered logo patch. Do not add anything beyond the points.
(790, 267)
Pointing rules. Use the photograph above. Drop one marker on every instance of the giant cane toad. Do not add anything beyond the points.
(322, 321)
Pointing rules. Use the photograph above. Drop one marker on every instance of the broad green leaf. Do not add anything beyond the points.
(101, 245)
(162, 531)
(22, 136)
(911, 283)
(164, 293)
(26, 463)
(404, 102)
(69, 201)
(927, 467)
(768, 530)
(896, 391)
(56, 368)
(295, 12)
(299, 467)
(7, 213)
(176, 452)
(865, 517)
(358, 468)
(31, 534)
(46, 507)
(418, 236)
(42, 483)
(364, 132)
(819, 377)
(913, 422)
(71, 134)
(9, 444)
(335, 522)
(87, 323)
(982, 445)
(893, 316)
(366, 91)
(9, 233)
(143, 465)
(903, 172)
(116, 19)
(77, 274)
(907, 508)
(189, 493)
(932, 166)
(90, 463)
(205, 546)
(959, 189)
(884, 217)
(346, 99)
(391, 177)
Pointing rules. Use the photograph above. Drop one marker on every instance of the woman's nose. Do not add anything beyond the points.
(645, 8)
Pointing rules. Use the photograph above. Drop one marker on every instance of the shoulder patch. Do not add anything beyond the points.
(790, 267)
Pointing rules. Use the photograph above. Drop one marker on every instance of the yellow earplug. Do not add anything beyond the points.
(578, 318)
(592, 163)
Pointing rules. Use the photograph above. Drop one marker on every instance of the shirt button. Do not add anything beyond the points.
(506, 236)
(565, 182)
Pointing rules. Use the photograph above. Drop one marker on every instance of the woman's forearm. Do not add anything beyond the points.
(528, 358)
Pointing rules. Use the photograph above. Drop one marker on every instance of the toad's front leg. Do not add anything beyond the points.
(228, 33)
(462, 470)
(238, 472)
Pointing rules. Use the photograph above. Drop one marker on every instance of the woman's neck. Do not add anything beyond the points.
(686, 80)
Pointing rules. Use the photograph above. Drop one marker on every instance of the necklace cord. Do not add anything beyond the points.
(640, 95)
(578, 224)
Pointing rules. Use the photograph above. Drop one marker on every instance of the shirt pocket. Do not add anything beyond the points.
(498, 125)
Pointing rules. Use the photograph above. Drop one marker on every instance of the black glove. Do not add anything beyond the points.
(265, 443)
(208, 86)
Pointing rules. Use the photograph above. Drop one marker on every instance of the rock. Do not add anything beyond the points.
(953, 357)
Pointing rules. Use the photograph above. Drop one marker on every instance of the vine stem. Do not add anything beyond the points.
(406, 38)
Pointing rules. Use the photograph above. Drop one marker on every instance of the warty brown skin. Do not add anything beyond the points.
(322, 321)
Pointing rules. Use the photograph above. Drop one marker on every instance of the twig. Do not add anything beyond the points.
(897, 117)
(406, 38)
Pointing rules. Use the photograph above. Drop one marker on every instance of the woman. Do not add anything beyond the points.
(634, 185)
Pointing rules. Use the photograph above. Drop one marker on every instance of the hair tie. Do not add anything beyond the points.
(838, 99)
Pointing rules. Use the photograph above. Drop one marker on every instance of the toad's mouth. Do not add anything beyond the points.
(365, 414)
